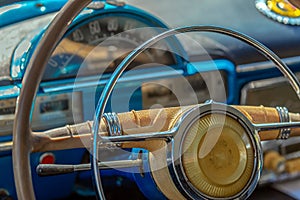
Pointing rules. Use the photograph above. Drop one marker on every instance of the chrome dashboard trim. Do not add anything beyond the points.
(6, 146)
(265, 65)
(12, 91)
(94, 81)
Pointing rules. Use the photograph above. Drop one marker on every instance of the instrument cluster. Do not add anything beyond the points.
(99, 44)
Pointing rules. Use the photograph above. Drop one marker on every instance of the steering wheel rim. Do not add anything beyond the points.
(22, 133)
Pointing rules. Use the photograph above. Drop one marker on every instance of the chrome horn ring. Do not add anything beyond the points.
(181, 152)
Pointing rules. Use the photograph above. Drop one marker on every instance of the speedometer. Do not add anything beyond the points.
(88, 42)
(98, 30)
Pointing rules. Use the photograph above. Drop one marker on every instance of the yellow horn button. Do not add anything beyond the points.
(218, 157)
(284, 8)
(226, 161)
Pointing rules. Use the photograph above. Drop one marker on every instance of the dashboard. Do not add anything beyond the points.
(182, 70)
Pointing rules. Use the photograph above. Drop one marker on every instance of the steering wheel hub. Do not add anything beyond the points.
(218, 157)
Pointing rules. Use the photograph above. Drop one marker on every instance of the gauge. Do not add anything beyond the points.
(7, 111)
(7, 107)
(51, 106)
(88, 42)
(49, 111)
(56, 110)
(167, 92)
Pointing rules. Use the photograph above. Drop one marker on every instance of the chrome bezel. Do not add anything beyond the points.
(175, 151)
(263, 8)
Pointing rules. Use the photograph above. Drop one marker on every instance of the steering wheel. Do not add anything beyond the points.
(25, 140)
(183, 177)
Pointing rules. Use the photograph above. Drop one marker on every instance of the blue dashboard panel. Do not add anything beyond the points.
(19, 11)
(48, 187)
(144, 179)
(26, 47)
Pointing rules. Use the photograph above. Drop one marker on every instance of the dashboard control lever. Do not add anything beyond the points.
(274, 161)
(292, 166)
(56, 169)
